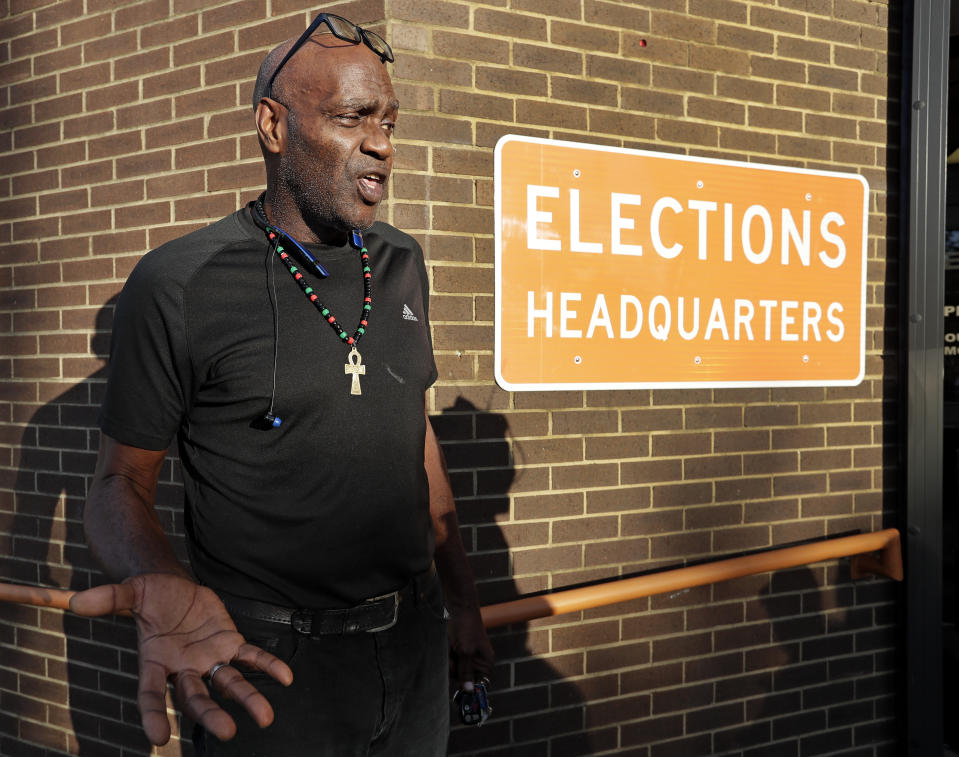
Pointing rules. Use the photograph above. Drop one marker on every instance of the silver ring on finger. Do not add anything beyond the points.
(214, 670)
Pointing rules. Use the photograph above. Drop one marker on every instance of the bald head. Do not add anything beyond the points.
(318, 40)
(267, 67)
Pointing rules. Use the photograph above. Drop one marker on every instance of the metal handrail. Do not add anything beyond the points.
(886, 542)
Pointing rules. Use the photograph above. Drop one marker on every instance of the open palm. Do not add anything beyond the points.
(183, 631)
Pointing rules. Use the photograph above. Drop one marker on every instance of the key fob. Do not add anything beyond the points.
(473, 706)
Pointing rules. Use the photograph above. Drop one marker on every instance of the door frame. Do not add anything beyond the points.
(924, 112)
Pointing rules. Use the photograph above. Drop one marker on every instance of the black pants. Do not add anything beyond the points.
(352, 694)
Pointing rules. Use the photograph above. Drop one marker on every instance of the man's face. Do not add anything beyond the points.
(338, 155)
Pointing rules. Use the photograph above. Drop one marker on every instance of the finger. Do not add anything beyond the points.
(151, 699)
(464, 668)
(484, 662)
(261, 660)
(195, 702)
(103, 600)
(230, 683)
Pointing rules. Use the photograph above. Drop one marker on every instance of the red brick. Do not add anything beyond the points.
(551, 558)
(143, 163)
(509, 24)
(436, 70)
(87, 28)
(206, 47)
(58, 107)
(57, 13)
(58, 60)
(674, 647)
(235, 122)
(212, 151)
(37, 88)
(32, 136)
(176, 81)
(617, 69)
(436, 12)
(82, 126)
(61, 202)
(82, 223)
(112, 46)
(288, 27)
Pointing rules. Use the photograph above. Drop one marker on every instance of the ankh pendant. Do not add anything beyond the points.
(355, 367)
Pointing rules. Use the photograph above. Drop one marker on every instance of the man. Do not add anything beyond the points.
(317, 500)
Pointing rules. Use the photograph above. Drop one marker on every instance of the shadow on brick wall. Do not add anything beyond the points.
(827, 679)
(536, 710)
(75, 687)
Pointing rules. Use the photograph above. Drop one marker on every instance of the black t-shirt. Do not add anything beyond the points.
(332, 506)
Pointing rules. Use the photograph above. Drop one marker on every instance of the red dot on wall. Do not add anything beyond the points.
(642, 43)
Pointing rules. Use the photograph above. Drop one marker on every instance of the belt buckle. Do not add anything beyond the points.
(395, 596)
(302, 621)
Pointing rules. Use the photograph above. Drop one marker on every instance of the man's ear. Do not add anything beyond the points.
(270, 119)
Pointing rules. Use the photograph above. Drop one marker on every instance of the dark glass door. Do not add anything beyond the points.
(950, 417)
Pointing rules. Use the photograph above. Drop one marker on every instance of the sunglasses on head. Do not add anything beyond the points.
(341, 29)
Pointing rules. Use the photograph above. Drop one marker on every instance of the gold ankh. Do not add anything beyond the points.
(355, 366)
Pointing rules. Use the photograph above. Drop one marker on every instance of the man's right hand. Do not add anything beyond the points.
(183, 631)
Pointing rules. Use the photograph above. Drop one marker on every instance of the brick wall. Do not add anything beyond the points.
(125, 124)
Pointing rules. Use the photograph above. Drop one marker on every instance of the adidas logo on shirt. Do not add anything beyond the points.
(408, 314)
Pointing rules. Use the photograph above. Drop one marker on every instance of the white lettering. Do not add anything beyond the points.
(783, 320)
(575, 244)
(828, 219)
(743, 318)
(654, 232)
(768, 305)
(790, 232)
(566, 315)
(685, 333)
(618, 223)
(787, 321)
(831, 311)
(534, 216)
(702, 207)
(811, 315)
(625, 302)
(660, 331)
(754, 211)
(600, 317)
(532, 314)
(717, 320)
(728, 232)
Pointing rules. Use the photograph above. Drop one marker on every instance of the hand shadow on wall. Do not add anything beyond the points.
(95, 687)
(535, 708)
(825, 672)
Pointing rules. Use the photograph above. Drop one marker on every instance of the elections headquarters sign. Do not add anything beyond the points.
(621, 269)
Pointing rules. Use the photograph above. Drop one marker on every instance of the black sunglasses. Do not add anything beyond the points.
(341, 29)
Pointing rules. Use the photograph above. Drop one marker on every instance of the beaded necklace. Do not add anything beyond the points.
(354, 365)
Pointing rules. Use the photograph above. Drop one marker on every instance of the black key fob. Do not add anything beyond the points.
(473, 706)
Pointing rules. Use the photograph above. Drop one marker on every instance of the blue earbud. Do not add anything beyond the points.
(267, 422)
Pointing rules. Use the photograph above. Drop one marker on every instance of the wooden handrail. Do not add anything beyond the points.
(620, 590)
(36, 595)
(572, 600)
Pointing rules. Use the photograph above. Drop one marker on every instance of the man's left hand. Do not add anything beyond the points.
(471, 654)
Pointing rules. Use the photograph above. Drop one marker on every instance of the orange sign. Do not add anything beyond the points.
(621, 269)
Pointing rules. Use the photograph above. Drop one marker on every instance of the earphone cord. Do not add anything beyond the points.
(276, 325)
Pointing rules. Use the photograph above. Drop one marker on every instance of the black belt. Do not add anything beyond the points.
(375, 614)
